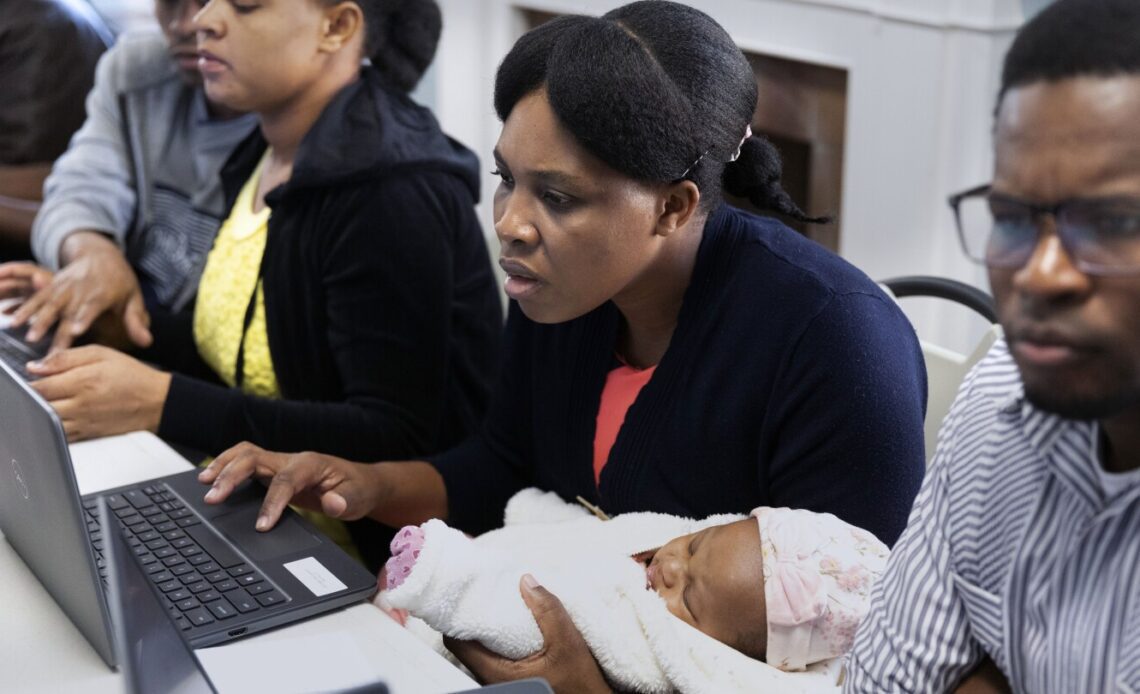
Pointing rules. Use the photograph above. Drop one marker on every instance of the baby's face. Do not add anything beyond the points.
(714, 580)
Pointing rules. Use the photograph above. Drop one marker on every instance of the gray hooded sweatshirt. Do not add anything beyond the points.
(143, 169)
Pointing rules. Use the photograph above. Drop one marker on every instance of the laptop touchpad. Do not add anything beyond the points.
(287, 537)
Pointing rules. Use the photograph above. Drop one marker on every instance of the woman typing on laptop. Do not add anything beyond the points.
(348, 303)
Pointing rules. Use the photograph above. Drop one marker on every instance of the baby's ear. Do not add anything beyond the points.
(645, 556)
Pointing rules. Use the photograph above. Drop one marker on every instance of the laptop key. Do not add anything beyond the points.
(156, 544)
(248, 579)
(169, 586)
(225, 586)
(182, 569)
(209, 596)
(181, 512)
(208, 567)
(183, 623)
(173, 560)
(164, 552)
(199, 587)
(213, 545)
(199, 616)
(138, 499)
(199, 560)
(188, 521)
(190, 551)
(270, 598)
(191, 578)
(181, 542)
(188, 604)
(222, 609)
(162, 576)
(217, 577)
(166, 527)
(150, 511)
(257, 588)
(147, 559)
(242, 600)
(178, 595)
(240, 570)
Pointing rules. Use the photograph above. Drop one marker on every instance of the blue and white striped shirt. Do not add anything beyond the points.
(1016, 549)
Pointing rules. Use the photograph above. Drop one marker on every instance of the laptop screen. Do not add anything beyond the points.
(153, 656)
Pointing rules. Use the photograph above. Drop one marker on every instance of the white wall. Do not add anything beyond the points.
(922, 75)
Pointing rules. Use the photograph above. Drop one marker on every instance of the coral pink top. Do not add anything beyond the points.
(621, 389)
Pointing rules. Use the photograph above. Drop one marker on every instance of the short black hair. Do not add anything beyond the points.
(1075, 38)
(658, 91)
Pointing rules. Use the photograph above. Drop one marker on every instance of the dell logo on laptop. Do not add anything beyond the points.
(20, 484)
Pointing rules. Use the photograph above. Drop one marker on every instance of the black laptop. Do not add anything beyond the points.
(219, 578)
(152, 655)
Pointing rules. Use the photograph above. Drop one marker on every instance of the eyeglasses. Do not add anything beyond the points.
(1100, 235)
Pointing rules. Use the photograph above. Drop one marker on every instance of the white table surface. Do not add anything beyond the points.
(42, 651)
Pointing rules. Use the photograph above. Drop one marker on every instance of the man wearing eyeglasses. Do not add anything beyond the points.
(1023, 547)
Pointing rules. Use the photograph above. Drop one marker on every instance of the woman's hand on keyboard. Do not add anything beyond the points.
(394, 493)
(98, 391)
(331, 485)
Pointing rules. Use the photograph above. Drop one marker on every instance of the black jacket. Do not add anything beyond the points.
(382, 311)
(790, 380)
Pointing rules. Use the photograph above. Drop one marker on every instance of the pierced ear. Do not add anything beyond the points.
(342, 23)
(679, 204)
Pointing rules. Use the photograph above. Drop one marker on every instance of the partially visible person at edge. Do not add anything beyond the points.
(48, 51)
(1023, 549)
(348, 303)
(665, 352)
(131, 208)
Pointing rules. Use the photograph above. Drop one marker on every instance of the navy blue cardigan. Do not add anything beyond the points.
(791, 380)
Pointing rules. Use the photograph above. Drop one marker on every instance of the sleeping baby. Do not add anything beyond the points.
(728, 603)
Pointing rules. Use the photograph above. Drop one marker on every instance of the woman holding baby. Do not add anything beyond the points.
(664, 351)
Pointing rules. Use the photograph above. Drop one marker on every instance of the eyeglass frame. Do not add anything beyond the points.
(983, 190)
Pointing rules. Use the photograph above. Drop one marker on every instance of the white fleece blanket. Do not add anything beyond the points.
(468, 588)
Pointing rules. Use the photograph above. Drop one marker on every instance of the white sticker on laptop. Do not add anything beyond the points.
(315, 576)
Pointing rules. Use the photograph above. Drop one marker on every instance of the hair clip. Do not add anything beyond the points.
(692, 166)
(593, 509)
(747, 134)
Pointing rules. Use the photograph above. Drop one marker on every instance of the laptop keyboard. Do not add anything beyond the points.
(16, 353)
(201, 578)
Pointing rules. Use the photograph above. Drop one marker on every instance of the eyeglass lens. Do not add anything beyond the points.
(1101, 236)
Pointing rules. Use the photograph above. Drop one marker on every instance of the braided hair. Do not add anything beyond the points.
(659, 92)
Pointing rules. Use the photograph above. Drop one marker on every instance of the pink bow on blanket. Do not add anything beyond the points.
(818, 573)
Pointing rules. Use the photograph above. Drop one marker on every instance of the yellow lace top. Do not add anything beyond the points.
(228, 281)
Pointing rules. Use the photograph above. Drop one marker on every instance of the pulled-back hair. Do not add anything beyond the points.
(656, 90)
(1075, 38)
(400, 38)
